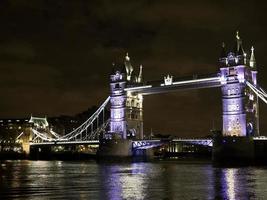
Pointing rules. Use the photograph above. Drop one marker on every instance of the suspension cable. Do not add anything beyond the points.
(87, 123)
(259, 92)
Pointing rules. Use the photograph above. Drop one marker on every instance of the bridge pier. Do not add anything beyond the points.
(40, 152)
(115, 148)
(144, 154)
(233, 150)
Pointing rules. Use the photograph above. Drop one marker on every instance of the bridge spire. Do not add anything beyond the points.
(239, 48)
(128, 67)
(223, 57)
(237, 35)
(252, 61)
(140, 76)
(223, 52)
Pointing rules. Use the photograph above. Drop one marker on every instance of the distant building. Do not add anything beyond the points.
(11, 128)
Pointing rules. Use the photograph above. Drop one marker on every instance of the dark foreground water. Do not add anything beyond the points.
(150, 180)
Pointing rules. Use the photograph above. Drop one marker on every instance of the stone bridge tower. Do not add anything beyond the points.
(126, 118)
(239, 104)
(117, 104)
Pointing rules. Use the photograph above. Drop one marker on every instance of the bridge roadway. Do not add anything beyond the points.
(143, 144)
(136, 144)
(60, 142)
(186, 83)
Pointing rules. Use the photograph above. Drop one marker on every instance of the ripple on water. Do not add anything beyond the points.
(157, 180)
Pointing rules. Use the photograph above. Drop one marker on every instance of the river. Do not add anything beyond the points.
(172, 179)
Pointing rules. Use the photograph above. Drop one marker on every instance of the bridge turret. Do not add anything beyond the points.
(253, 101)
(128, 67)
(235, 57)
(140, 75)
(252, 60)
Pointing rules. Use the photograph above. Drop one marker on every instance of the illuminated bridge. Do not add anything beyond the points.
(237, 79)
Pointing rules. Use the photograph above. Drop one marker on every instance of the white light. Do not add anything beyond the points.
(256, 91)
(140, 96)
(129, 94)
(193, 81)
(230, 181)
(137, 88)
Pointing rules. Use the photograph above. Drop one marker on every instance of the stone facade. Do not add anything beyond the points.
(239, 103)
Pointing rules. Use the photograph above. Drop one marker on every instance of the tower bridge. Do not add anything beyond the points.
(237, 78)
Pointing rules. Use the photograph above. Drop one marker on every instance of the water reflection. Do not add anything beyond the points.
(230, 181)
(133, 182)
(233, 183)
(158, 180)
(127, 181)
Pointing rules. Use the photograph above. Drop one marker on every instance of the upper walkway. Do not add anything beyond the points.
(169, 84)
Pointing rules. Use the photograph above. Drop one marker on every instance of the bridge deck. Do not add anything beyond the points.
(66, 142)
(143, 143)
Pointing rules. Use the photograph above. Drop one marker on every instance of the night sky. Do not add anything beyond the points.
(56, 56)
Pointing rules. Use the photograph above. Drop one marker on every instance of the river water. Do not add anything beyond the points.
(142, 180)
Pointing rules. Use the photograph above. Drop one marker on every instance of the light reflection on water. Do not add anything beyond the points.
(156, 180)
(230, 182)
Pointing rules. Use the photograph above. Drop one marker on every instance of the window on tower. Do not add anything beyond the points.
(117, 86)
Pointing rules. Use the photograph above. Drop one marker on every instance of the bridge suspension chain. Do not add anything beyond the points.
(258, 91)
(55, 134)
(87, 127)
(89, 122)
(41, 136)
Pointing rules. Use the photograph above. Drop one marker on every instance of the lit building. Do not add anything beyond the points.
(240, 104)
(126, 107)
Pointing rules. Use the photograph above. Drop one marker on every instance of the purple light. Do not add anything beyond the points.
(118, 104)
(234, 115)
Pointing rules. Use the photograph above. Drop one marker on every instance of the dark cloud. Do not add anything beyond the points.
(55, 56)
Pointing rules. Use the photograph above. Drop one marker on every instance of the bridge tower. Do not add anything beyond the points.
(239, 104)
(126, 112)
(134, 101)
(239, 107)
(118, 103)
